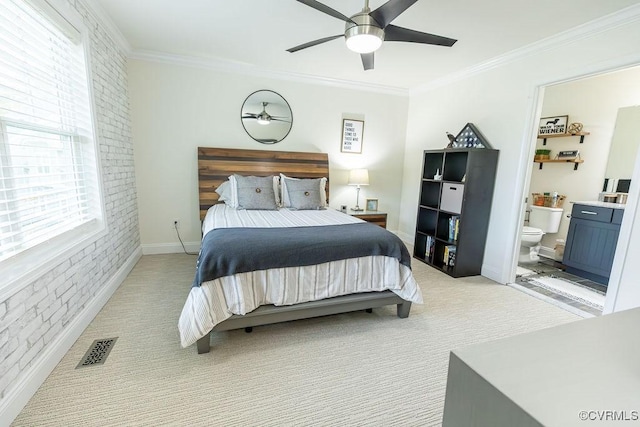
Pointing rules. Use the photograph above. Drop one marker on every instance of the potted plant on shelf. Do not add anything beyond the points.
(542, 154)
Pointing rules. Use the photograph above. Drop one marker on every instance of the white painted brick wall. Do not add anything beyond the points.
(34, 316)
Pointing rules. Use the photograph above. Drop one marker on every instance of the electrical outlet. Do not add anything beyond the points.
(175, 223)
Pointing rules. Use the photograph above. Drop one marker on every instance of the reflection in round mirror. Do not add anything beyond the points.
(266, 116)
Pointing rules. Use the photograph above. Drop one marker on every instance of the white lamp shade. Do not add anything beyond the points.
(359, 177)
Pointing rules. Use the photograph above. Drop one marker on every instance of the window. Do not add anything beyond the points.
(49, 188)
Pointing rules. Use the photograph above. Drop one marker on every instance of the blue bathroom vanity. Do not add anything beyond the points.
(592, 238)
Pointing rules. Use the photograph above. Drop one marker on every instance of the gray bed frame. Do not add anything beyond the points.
(214, 166)
(267, 314)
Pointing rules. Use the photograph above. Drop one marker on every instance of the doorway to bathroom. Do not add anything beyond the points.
(593, 104)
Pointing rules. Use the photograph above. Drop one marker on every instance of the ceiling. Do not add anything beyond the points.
(256, 34)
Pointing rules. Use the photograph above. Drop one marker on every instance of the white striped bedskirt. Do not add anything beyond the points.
(217, 300)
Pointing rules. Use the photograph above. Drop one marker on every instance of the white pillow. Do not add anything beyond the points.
(225, 190)
(284, 195)
(276, 190)
(229, 192)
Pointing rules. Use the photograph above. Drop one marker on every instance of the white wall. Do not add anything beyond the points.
(40, 322)
(502, 100)
(177, 108)
(624, 145)
(594, 102)
(624, 284)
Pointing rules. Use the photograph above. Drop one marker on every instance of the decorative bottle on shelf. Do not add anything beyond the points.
(437, 176)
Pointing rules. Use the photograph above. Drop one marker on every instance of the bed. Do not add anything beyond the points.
(242, 281)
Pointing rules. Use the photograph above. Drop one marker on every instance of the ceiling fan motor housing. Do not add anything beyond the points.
(365, 27)
(364, 32)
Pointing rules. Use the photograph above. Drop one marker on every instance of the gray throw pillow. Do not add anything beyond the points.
(255, 192)
(304, 194)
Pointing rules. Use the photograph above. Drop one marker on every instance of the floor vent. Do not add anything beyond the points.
(97, 353)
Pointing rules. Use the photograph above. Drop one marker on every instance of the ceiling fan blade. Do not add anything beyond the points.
(367, 60)
(313, 43)
(399, 34)
(390, 11)
(326, 9)
(250, 116)
(279, 120)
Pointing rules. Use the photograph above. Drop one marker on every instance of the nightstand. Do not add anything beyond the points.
(378, 218)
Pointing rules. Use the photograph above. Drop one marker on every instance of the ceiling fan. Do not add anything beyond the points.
(264, 118)
(365, 31)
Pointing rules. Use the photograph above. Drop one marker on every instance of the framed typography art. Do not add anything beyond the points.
(556, 125)
(352, 131)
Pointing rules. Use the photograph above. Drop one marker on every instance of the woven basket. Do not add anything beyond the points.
(540, 199)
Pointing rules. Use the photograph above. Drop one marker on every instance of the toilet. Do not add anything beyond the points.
(542, 220)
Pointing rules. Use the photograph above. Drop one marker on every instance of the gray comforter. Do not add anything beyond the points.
(228, 251)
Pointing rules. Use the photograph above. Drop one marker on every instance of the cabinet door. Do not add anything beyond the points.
(591, 246)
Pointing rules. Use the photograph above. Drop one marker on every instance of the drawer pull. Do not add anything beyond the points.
(453, 188)
(589, 212)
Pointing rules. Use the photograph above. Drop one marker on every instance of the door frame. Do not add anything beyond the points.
(526, 168)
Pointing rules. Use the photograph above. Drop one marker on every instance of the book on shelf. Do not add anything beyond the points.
(449, 255)
(454, 223)
(431, 242)
(426, 247)
(452, 257)
(455, 234)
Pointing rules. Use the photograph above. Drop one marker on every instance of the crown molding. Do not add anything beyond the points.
(227, 66)
(111, 28)
(606, 23)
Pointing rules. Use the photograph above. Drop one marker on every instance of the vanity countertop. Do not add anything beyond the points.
(601, 204)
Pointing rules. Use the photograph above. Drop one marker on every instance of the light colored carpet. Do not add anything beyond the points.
(347, 369)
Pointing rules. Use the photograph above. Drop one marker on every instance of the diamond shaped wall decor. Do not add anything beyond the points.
(470, 137)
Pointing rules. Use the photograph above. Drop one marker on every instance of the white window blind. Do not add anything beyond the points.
(48, 170)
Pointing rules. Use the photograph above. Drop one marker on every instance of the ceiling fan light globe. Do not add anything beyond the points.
(364, 43)
(263, 121)
(363, 34)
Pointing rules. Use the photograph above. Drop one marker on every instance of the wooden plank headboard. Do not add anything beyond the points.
(216, 164)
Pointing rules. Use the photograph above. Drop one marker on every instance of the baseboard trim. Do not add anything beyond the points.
(492, 273)
(170, 248)
(406, 238)
(547, 252)
(17, 398)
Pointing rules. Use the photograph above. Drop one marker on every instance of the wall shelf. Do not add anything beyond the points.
(564, 135)
(576, 162)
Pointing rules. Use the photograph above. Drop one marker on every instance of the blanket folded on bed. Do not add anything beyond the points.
(228, 251)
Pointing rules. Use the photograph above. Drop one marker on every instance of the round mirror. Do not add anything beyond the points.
(266, 116)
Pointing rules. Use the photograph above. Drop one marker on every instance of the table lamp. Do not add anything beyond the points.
(358, 177)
